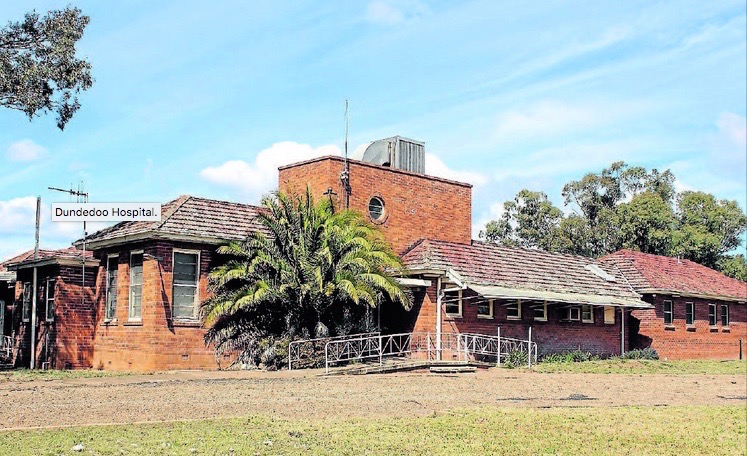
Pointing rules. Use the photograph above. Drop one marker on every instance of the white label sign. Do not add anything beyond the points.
(106, 212)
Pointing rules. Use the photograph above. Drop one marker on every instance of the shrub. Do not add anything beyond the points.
(643, 353)
(575, 356)
(516, 358)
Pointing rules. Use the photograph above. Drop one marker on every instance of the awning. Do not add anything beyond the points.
(496, 292)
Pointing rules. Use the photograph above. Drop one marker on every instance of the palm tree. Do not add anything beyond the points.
(314, 272)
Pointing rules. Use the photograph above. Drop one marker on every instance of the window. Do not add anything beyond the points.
(26, 300)
(136, 286)
(689, 313)
(587, 314)
(112, 264)
(668, 313)
(574, 313)
(376, 209)
(485, 309)
(724, 315)
(186, 273)
(609, 315)
(513, 310)
(453, 303)
(712, 315)
(539, 310)
(49, 310)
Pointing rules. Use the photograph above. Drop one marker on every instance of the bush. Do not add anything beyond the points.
(575, 356)
(644, 353)
(516, 358)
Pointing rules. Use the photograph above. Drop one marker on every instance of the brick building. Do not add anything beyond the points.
(145, 280)
(63, 327)
(697, 312)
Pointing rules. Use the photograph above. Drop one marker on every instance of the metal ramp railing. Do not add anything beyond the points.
(310, 350)
(464, 345)
(6, 349)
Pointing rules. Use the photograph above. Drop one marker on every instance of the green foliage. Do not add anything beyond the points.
(516, 358)
(734, 266)
(314, 272)
(626, 207)
(644, 353)
(39, 71)
(575, 356)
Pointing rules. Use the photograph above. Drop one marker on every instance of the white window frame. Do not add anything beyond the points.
(690, 306)
(518, 307)
(591, 313)
(459, 303)
(26, 302)
(47, 299)
(490, 315)
(129, 294)
(570, 311)
(109, 258)
(712, 307)
(544, 308)
(671, 312)
(606, 320)
(728, 317)
(197, 283)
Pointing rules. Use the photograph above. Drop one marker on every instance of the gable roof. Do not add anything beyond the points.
(69, 255)
(187, 218)
(649, 273)
(517, 272)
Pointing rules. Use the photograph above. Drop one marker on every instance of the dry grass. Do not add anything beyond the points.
(632, 366)
(488, 430)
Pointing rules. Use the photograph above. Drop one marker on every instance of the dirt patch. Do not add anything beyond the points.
(305, 394)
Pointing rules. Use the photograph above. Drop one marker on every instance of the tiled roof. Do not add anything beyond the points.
(190, 216)
(69, 253)
(655, 272)
(519, 268)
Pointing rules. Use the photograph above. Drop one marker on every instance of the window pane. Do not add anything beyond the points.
(725, 315)
(513, 309)
(111, 288)
(538, 311)
(689, 313)
(483, 309)
(136, 285)
(574, 313)
(26, 301)
(184, 301)
(712, 314)
(50, 299)
(136, 269)
(587, 314)
(185, 268)
(668, 312)
(136, 301)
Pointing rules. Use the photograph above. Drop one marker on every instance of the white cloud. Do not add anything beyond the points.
(494, 212)
(17, 215)
(549, 118)
(25, 150)
(261, 176)
(391, 13)
(253, 179)
(434, 166)
(732, 133)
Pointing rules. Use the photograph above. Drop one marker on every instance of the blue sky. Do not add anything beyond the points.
(208, 98)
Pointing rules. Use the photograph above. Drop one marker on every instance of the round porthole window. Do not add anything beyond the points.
(376, 209)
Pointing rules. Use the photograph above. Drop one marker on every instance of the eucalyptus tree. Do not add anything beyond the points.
(39, 69)
(312, 272)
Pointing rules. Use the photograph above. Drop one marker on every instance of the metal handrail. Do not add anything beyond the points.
(296, 344)
(6, 347)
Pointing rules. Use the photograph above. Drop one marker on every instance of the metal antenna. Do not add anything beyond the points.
(345, 175)
(79, 195)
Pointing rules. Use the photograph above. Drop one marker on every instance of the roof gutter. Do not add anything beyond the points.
(686, 294)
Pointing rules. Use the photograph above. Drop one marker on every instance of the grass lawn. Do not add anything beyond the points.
(597, 430)
(54, 374)
(632, 366)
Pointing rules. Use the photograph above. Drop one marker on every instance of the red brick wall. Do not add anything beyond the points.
(416, 206)
(678, 341)
(66, 341)
(158, 342)
(552, 336)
